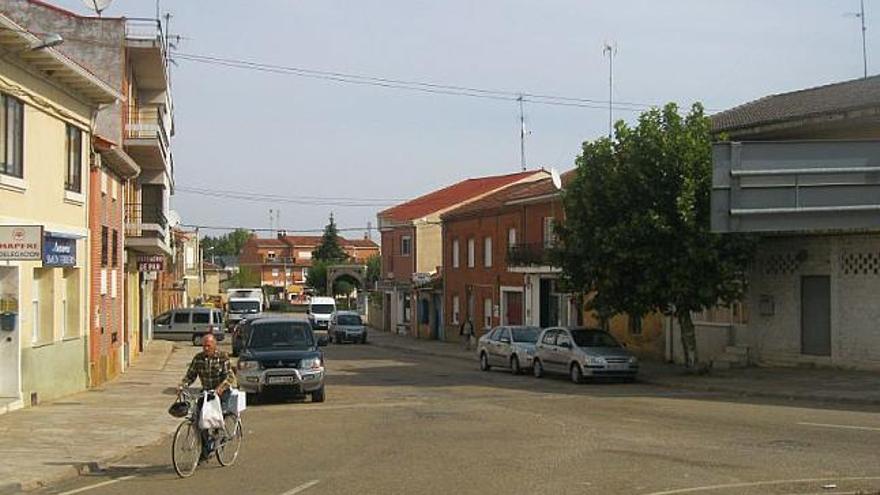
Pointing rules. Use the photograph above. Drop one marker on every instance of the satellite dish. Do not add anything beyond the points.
(97, 5)
(556, 178)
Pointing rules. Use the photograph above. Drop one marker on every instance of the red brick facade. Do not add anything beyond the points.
(106, 310)
(397, 265)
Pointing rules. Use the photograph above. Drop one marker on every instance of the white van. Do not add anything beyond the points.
(189, 324)
(320, 311)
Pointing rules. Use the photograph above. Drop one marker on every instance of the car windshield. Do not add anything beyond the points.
(528, 335)
(244, 306)
(349, 320)
(593, 338)
(322, 309)
(280, 334)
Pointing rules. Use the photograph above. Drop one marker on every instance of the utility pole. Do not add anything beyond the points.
(864, 44)
(522, 134)
(610, 48)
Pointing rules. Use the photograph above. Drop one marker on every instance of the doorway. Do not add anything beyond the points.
(816, 315)
(513, 307)
(10, 331)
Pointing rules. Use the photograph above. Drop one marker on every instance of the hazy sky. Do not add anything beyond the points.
(283, 135)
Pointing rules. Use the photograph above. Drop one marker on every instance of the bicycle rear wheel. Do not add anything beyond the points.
(186, 449)
(230, 442)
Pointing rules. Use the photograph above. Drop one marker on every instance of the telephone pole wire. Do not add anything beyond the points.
(522, 134)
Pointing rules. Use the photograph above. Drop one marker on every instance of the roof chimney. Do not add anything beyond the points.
(282, 234)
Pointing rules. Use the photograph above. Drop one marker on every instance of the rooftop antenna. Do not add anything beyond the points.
(861, 15)
(97, 5)
(610, 48)
(522, 134)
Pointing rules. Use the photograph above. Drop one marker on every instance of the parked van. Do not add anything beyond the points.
(189, 324)
(320, 311)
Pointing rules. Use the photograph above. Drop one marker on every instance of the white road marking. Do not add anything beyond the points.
(760, 483)
(302, 488)
(844, 427)
(97, 485)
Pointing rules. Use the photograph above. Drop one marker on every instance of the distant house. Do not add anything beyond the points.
(412, 251)
(802, 171)
(284, 261)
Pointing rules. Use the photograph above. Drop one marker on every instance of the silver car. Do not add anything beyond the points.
(511, 347)
(347, 326)
(582, 353)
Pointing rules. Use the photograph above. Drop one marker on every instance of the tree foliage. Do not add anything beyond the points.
(374, 270)
(330, 249)
(245, 277)
(316, 278)
(227, 244)
(637, 228)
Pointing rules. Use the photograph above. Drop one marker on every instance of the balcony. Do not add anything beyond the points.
(148, 51)
(531, 258)
(147, 139)
(146, 229)
(279, 261)
(796, 186)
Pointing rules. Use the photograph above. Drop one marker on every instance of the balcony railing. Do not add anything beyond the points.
(530, 254)
(280, 261)
(142, 29)
(148, 123)
(139, 218)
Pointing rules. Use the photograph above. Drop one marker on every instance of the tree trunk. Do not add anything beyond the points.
(688, 339)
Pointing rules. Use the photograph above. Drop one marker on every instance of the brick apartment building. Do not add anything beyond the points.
(284, 261)
(412, 248)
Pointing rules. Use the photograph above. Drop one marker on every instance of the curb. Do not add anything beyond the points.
(677, 385)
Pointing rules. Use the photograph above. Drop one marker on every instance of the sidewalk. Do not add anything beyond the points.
(833, 386)
(82, 432)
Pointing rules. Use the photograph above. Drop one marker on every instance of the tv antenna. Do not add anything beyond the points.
(522, 134)
(610, 48)
(97, 5)
(861, 16)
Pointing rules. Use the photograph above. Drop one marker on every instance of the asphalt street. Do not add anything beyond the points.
(401, 424)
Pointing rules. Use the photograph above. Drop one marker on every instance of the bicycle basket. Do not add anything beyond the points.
(179, 409)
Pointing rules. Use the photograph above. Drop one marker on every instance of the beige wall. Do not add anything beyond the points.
(429, 246)
(55, 362)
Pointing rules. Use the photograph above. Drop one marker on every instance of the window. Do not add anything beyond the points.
(114, 249)
(487, 312)
(105, 234)
(73, 179)
(113, 188)
(455, 253)
(456, 308)
(549, 338)
(405, 245)
(11, 136)
(113, 284)
(504, 334)
(163, 319)
(487, 252)
(511, 237)
(103, 181)
(70, 303)
(43, 304)
(275, 272)
(201, 318)
(549, 231)
(635, 325)
(563, 338)
(470, 248)
(182, 317)
(270, 256)
(103, 282)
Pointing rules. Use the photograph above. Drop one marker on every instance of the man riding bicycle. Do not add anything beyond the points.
(214, 371)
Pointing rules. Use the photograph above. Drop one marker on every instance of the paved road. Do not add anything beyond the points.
(412, 425)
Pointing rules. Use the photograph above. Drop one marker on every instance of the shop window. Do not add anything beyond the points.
(43, 323)
(71, 303)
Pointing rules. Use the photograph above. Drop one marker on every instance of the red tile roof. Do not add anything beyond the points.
(450, 196)
(310, 241)
(496, 201)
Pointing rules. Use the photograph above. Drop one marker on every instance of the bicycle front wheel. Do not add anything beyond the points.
(186, 449)
(230, 441)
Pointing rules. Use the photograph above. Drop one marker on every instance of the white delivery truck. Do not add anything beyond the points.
(320, 311)
(242, 302)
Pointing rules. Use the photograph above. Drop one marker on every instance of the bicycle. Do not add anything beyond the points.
(187, 447)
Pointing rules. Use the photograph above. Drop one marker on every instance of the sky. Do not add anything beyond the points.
(300, 138)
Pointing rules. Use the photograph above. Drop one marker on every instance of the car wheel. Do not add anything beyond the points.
(197, 340)
(577, 376)
(484, 362)
(514, 366)
(318, 395)
(538, 369)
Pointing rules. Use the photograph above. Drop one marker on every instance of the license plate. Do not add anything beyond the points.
(272, 380)
(618, 367)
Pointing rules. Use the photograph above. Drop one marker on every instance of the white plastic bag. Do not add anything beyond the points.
(237, 400)
(212, 413)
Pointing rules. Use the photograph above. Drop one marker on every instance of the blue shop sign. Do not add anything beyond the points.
(59, 251)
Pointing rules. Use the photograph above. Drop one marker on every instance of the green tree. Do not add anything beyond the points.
(374, 270)
(637, 223)
(316, 277)
(330, 249)
(246, 277)
(227, 244)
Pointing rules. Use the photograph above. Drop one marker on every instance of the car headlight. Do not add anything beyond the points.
(248, 365)
(595, 361)
(633, 360)
(310, 364)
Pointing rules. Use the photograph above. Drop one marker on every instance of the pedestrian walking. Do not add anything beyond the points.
(466, 334)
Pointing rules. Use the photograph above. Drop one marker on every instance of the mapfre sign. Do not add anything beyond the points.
(21, 242)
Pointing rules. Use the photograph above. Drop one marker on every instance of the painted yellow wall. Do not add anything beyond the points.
(429, 247)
